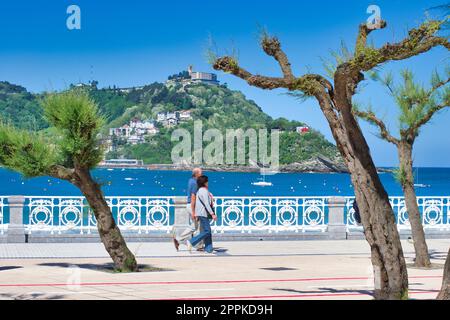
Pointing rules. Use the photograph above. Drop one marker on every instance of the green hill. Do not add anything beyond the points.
(217, 106)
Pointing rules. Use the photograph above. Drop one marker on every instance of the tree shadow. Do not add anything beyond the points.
(10, 268)
(31, 296)
(438, 255)
(339, 291)
(102, 267)
(326, 290)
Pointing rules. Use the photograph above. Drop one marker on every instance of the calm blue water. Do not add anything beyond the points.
(169, 183)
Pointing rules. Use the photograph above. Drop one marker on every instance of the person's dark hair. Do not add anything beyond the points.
(201, 181)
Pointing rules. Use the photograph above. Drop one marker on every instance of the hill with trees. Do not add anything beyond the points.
(216, 106)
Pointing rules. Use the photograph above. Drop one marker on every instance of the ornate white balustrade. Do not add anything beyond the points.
(3, 225)
(271, 214)
(435, 213)
(235, 214)
(62, 214)
(145, 214)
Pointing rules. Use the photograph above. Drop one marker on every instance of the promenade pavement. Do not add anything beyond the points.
(240, 270)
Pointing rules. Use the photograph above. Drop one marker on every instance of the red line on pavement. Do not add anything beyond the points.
(198, 282)
(308, 295)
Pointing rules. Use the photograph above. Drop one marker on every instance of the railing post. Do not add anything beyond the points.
(337, 229)
(16, 228)
(181, 221)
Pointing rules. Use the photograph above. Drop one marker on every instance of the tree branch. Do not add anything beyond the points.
(364, 31)
(426, 118)
(419, 40)
(61, 172)
(309, 83)
(437, 86)
(272, 47)
(372, 118)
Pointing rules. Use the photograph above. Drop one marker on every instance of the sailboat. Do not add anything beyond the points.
(420, 185)
(264, 183)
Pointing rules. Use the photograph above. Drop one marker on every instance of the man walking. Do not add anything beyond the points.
(190, 208)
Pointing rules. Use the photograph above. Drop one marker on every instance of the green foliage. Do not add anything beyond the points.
(111, 104)
(26, 152)
(20, 108)
(400, 175)
(296, 147)
(74, 121)
(344, 54)
(76, 118)
(415, 101)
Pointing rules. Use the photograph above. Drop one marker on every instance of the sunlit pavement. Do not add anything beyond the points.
(240, 270)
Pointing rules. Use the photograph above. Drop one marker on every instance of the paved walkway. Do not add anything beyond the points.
(242, 270)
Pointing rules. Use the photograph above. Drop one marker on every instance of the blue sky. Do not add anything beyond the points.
(132, 42)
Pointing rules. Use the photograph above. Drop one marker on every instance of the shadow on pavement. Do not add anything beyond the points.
(9, 268)
(438, 255)
(325, 290)
(104, 267)
(30, 296)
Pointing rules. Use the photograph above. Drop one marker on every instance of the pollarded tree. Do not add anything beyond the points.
(68, 156)
(335, 101)
(417, 105)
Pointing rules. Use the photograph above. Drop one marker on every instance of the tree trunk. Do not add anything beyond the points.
(445, 290)
(108, 231)
(380, 229)
(407, 181)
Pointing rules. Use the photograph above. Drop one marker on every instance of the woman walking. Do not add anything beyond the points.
(204, 212)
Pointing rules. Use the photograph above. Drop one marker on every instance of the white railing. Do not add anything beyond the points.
(435, 212)
(145, 214)
(235, 214)
(271, 214)
(58, 214)
(3, 225)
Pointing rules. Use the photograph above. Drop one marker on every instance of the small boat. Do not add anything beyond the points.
(421, 185)
(264, 171)
(262, 184)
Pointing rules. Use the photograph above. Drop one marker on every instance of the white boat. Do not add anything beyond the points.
(420, 185)
(262, 184)
(264, 172)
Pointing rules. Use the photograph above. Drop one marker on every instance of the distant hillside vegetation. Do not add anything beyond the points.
(217, 106)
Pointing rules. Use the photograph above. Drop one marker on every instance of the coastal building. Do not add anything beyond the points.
(171, 119)
(185, 115)
(122, 132)
(133, 133)
(302, 130)
(122, 163)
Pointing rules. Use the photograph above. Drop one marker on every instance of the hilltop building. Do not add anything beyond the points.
(191, 77)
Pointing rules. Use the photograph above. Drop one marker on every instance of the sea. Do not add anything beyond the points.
(141, 182)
